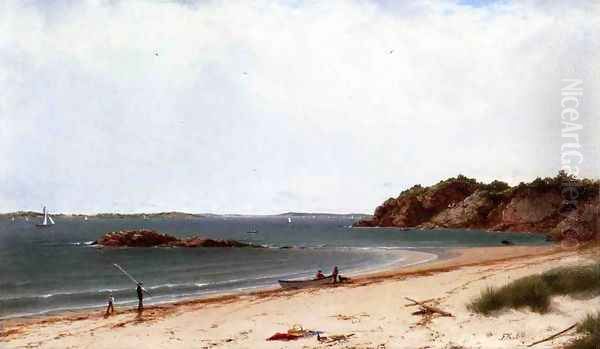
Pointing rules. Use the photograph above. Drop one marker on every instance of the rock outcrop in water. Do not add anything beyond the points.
(151, 238)
(562, 207)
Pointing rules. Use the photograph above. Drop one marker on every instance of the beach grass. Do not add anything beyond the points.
(590, 331)
(535, 291)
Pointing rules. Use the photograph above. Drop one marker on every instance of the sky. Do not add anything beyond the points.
(262, 107)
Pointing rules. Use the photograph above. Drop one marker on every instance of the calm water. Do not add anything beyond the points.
(52, 269)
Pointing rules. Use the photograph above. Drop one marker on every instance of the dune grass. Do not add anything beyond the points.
(590, 331)
(535, 291)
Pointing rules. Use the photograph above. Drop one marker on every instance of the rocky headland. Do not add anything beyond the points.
(562, 207)
(151, 238)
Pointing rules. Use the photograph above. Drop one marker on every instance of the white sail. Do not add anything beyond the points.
(48, 221)
(45, 222)
(289, 220)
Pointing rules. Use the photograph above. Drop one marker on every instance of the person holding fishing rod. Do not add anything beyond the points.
(140, 295)
(110, 308)
(139, 289)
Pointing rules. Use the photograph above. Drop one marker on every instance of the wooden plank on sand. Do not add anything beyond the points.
(429, 307)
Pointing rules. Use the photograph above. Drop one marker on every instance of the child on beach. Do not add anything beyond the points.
(110, 308)
(140, 294)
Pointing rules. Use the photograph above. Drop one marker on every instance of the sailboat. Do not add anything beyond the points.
(48, 221)
(289, 219)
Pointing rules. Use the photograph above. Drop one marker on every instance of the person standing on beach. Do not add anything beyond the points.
(140, 295)
(110, 309)
(335, 274)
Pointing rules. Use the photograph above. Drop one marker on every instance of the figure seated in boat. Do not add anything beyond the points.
(319, 275)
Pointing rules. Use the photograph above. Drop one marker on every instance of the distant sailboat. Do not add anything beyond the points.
(48, 221)
(12, 219)
(289, 219)
(26, 219)
(85, 218)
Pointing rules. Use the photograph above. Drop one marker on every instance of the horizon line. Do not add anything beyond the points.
(21, 212)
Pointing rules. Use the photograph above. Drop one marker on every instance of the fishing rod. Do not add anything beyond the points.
(131, 277)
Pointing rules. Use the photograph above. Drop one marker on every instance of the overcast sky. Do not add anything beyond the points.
(270, 106)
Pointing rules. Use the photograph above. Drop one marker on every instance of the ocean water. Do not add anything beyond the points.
(54, 269)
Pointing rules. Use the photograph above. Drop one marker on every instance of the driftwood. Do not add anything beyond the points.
(425, 301)
(337, 338)
(553, 336)
(422, 312)
(429, 307)
(334, 338)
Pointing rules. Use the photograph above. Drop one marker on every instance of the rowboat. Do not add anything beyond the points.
(306, 283)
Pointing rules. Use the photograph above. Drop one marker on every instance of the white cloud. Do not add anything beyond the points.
(272, 106)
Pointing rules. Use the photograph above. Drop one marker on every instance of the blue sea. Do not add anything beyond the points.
(44, 270)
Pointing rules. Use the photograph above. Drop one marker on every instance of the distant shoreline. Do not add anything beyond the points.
(177, 214)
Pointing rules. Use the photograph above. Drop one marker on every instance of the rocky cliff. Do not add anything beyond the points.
(151, 238)
(562, 207)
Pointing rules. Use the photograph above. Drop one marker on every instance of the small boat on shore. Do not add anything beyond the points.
(306, 283)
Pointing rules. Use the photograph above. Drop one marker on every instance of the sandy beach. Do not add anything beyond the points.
(371, 312)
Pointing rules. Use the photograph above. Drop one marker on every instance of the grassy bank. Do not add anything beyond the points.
(590, 331)
(535, 291)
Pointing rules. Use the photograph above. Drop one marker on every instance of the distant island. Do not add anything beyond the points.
(562, 207)
(152, 238)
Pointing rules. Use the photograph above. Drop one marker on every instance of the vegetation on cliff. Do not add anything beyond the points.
(562, 206)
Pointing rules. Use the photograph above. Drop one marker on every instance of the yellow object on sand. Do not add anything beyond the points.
(297, 330)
